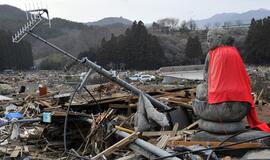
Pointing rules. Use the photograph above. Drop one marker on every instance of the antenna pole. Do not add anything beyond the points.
(53, 46)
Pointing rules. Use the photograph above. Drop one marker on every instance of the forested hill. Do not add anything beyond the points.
(172, 43)
(63, 33)
(12, 55)
(12, 19)
(111, 21)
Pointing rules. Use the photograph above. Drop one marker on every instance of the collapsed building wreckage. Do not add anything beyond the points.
(114, 127)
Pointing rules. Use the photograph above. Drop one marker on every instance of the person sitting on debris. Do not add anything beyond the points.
(226, 76)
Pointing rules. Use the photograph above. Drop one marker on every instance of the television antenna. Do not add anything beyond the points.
(33, 17)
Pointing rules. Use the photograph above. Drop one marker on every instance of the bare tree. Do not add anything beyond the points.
(192, 25)
(207, 26)
(168, 22)
(184, 26)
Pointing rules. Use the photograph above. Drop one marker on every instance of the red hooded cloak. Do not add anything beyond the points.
(228, 81)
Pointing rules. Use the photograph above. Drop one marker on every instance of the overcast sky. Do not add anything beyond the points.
(145, 10)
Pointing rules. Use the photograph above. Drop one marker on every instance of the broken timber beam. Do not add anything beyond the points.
(117, 145)
(213, 144)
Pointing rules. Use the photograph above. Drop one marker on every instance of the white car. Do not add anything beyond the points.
(147, 77)
(153, 77)
(135, 77)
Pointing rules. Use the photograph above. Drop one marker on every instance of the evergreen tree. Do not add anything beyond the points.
(91, 54)
(136, 49)
(14, 56)
(193, 51)
(257, 45)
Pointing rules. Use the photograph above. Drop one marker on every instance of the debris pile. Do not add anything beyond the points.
(105, 121)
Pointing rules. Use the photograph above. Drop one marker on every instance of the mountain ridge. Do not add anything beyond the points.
(110, 20)
(234, 18)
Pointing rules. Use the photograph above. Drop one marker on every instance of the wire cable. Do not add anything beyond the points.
(67, 112)
(66, 117)
(218, 147)
(230, 137)
(92, 97)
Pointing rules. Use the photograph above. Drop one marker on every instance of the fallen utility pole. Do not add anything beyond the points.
(105, 73)
(148, 146)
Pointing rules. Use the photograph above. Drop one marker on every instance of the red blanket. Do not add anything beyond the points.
(228, 81)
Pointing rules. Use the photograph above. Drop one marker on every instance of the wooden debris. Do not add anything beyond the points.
(160, 133)
(213, 144)
(163, 141)
(91, 122)
(124, 129)
(165, 138)
(16, 152)
(25, 149)
(119, 144)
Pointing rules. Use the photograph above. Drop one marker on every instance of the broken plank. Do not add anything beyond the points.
(213, 144)
(174, 131)
(176, 138)
(163, 142)
(124, 129)
(25, 149)
(160, 133)
(46, 104)
(121, 106)
(191, 126)
(15, 152)
(117, 145)
(165, 138)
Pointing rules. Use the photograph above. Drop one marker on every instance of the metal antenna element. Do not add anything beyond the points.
(26, 8)
(31, 24)
(34, 17)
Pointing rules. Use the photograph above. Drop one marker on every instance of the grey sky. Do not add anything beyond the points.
(145, 10)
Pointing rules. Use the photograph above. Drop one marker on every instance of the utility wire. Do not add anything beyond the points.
(211, 148)
(66, 117)
(230, 137)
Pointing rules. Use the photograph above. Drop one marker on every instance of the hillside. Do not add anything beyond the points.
(110, 21)
(234, 18)
(73, 37)
(11, 18)
(77, 37)
(174, 43)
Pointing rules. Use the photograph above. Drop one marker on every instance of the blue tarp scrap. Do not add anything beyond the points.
(13, 115)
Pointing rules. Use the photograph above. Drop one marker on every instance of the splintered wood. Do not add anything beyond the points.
(117, 145)
(93, 121)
